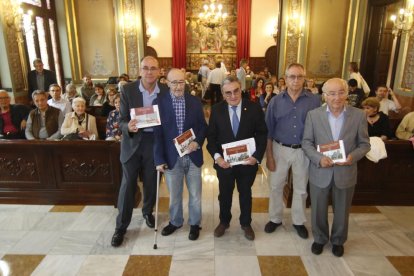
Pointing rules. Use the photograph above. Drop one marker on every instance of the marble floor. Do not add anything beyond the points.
(75, 240)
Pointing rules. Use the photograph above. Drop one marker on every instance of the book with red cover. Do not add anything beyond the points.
(182, 141)
(334, 150)
(146, 116)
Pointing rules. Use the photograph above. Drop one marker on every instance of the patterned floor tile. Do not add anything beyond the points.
(21, 265)
(404, 264)
(281, 265)
(148, 265)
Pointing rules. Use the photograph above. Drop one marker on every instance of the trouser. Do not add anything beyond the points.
(184, 167)
(341, 203)
(142, 159)
(243, 176)
(215, 90)
(287, 158)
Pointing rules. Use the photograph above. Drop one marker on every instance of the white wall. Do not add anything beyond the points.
(263, 17)
(4, 63)
(158, 16)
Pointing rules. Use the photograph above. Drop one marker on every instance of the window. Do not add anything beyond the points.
(42, 40)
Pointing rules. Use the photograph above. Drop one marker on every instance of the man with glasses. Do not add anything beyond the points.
(326, 125)
(180, 112)
(12, 118)
(285, 119)
(137, 149)
(231, 120)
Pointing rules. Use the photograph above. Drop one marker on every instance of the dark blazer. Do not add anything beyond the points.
(50, 78)
(252, 125)
(18, 113)
(164, 148)
(131, 97)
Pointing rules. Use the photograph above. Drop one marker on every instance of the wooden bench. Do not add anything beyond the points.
(388, 182)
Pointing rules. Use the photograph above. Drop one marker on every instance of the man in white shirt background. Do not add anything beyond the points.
(386, 104)
(57, 101)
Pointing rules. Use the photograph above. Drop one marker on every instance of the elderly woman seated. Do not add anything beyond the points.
(109, 105)
(78, 124)
(113, 132)
(378, 123)
(99, 97)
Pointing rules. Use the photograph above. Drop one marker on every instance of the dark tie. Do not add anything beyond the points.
(235, 121)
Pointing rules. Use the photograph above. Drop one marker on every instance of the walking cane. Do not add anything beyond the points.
(156, 211)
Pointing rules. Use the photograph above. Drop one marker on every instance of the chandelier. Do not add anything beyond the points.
(212, 16)
(403, 22)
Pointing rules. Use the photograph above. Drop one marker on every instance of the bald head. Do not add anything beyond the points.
(334, 82)
(336, 94)
(176, 82)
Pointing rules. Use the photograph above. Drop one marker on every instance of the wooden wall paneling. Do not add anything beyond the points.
(257, 64)
(165, 62)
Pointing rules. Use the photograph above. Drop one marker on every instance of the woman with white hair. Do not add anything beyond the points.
(79, 124)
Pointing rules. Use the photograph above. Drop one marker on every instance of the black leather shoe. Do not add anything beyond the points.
(270, 227)
(194, 232)
(338, 250)
(169, 229)
(149, 220)
(317, 248)
(117, 238)
(302, 231)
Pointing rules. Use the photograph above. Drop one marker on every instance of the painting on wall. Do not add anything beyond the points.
(96, 38)
(205, 41)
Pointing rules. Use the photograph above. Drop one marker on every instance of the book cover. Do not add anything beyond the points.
(236, 152)
(146, 116)
(334, 150)
(182, 141)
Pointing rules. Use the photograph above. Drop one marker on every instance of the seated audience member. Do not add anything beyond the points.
(281, 86)
(12, 118)
(265, 98)
(386, 104)
(355, 95)
(257, 90)
(87, 90)
(70, 93)
(57, 100)
(113, 131)
(44, 121)
(378, 123)
(311, 86)
(267, 74)
(124, 77)
(162, 80)
(109, 105)
(80, 122)
(99, 98)
(405, 130)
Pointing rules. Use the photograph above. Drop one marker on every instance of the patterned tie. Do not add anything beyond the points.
(235, 121)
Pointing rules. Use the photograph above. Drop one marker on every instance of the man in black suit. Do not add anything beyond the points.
(137, 149)
(40, 78)
(232, 120)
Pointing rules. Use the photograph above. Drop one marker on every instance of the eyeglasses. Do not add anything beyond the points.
(334, 94)
(177, 83)
(234, 93)
(151, 69)
(295, 77)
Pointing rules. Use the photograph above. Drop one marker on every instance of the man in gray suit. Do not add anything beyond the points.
(324, 125)
(137, 148)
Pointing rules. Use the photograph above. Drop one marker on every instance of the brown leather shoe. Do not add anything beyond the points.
(220, 229)
(248, 232)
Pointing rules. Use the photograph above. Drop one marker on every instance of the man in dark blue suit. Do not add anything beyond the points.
(40, 78)
(232, 120)
(179, 113)
(137, 149)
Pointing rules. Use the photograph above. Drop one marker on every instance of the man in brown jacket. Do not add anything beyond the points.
(44, 121)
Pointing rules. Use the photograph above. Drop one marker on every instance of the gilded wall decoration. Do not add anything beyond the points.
(408, 77)
(131, 41)
(85, 168)
(292, 41)
(211, 43)
(16, 55)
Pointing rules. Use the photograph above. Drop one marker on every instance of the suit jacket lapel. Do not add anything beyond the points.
(227, 119)
(325, 123)
(346, 125)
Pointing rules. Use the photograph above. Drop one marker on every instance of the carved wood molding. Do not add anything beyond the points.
(85, 168)
(17, 167)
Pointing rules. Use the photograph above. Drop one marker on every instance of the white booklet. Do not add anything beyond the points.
(236, 152)
(182, 141)
(146, 116)
(334, 150)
